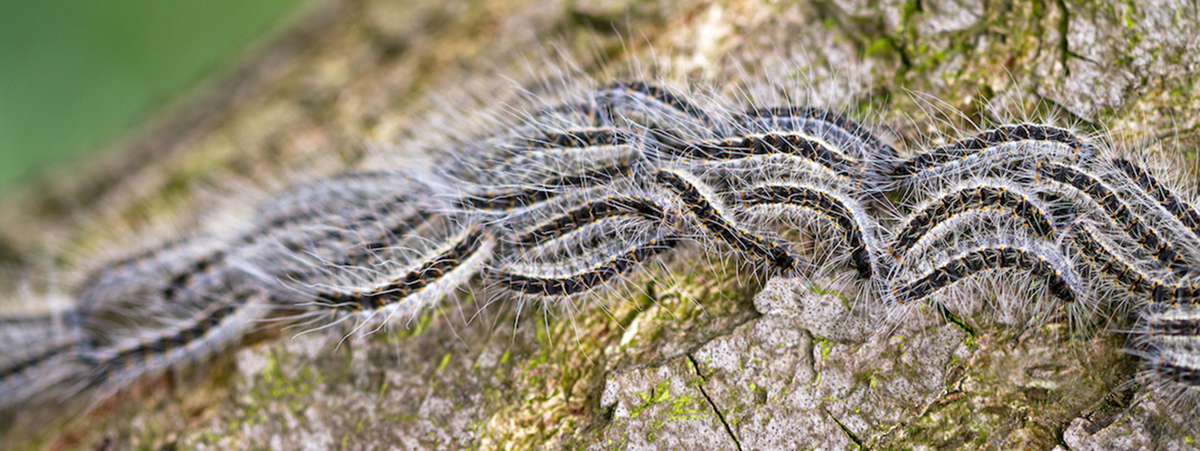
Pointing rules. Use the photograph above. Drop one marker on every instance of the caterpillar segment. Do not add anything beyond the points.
(1043, 264)
(1184, 212)
(428, 280)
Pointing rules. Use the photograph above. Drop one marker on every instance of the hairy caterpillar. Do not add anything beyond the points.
(592, 211)
(587, 273)
(993, 152)
(845, 214)
(703, 205)
(1119, 211)
(851, 143)
(646, 106)
(1177, 207)
(770, 144)
(438, 269)
(970, 262)
(1128, 273)
(37, 353)
(972, 196)
(544, 189)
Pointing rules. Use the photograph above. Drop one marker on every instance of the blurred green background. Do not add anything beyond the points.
(75, 74)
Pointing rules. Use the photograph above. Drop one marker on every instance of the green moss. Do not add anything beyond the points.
(677, 408)
(846, 302)
(424, 320)
(274, 387)
(880, 47)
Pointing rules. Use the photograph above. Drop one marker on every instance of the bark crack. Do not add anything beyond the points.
(713, 404)
(956, 320)
(1063, 28)
(853, 438)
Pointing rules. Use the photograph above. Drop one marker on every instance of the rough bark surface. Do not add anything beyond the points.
(699, 363)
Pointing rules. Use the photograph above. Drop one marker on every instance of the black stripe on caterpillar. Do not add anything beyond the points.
(338, 195)
(1042, 262)
(820, 123)
(544, 190)
(170, 269)
(1180, 367)
(525, 280)
(465, 249)
(552, 151)
(1119, 211)
(1167, 338)
(702, 205)
(21, 365)
(107, 359)
(1000, 153)
(576, 138)
(1185, 326)
(592, 211)
(641, 95)
(969, 196)
(212, 315)
(771, 144)
(823, 203)
(1111, 263)
(1181, 210)
(1001, 135)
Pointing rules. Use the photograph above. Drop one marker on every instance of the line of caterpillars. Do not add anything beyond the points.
(554, 212)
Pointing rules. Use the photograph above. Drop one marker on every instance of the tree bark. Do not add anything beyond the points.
(696, 363)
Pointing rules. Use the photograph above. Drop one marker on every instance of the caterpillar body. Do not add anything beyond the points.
(972, 196)
(847, 216)
(996, 152)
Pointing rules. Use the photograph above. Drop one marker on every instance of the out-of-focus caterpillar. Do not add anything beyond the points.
(567, 202)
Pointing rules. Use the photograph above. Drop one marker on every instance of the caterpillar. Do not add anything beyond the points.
(848, 216)
(703, 205)
(591, 211)
(586, 273)
(36, 350)
(1178, 208)
(1111, 263)
(854, 144)
(1038, 260)
(653, 107)
(972, 196)
(772, 144)
(127, 332)
(463, 250)
(846, 134)
(1119, 211)
(545, 189)
(193, 338)
(1166, 338)
(993, 152)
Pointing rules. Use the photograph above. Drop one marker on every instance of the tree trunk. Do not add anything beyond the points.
(697, 362)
